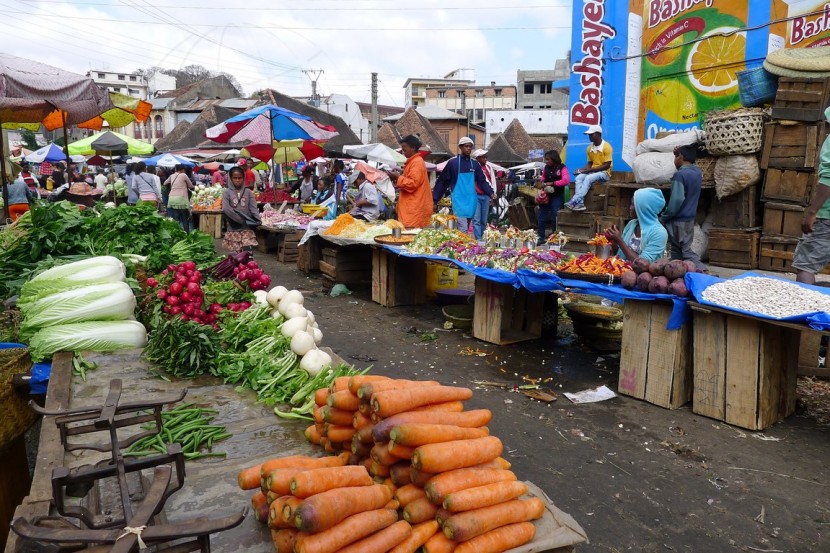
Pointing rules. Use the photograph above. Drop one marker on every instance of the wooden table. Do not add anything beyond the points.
(208, 221)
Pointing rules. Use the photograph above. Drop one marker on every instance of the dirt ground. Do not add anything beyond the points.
(637, 477)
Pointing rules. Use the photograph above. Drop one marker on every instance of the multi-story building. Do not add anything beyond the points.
(415, 88)
(131, 84)
(472, 101)
(536, 89)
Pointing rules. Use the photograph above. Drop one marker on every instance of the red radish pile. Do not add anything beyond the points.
(249, 273)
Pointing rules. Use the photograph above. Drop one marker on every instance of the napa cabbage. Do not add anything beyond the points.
(95, 270)
(90, 336)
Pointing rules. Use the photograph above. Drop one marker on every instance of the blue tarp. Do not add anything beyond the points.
(494, 275)
(40, 371)
(697, 283)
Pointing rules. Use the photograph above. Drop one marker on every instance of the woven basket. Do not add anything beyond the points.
(15, 415)
(707, 168)
(731, 132)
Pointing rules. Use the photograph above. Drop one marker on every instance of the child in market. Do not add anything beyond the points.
(643, 236)
(679, 217)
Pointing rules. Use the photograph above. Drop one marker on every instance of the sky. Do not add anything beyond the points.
(269, 43)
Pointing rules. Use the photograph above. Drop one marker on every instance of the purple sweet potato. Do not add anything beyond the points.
(629, 280)
(656, 268)
(674, 269)
(643, 280)
(658, 285)
(640, 265)
(690, 266)
(678, 288)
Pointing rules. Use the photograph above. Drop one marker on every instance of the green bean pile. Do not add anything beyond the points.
(186, 425)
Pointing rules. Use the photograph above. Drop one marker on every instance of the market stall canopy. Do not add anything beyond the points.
(126, 110)
(32, 93)
(99, 160)
(380, 153)
(227, 155)
(212, 166)
(168, 161)
(50, 153)
(109, 141)
(264, 124)
(284, 151)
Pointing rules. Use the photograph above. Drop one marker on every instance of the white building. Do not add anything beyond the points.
(130, 84)
(415, 88)
(544, 122)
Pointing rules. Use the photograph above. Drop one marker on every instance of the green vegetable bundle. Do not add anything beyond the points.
(186, 425)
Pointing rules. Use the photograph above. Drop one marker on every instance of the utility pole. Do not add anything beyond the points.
(314, 76)
(373, 131)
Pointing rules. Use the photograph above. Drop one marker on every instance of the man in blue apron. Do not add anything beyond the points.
(463, 178)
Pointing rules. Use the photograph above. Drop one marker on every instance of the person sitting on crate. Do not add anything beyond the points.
(551, 195)
(643, 236)
(813, 250)
(598, 168)
(241, 213)
(679, 216)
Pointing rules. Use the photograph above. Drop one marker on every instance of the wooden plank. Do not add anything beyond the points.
(743, 342)
(776, 254)
(789, 186)
(504, 315)
(734, 248)
(735, 211)
(808, 350)
(783, 219)
(662, 354)
(378, 279)
(709, 341)
(789, 384)
(635, 348)
(487, 323)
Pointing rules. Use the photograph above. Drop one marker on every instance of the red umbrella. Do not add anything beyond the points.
(97, 160)
(265, 152)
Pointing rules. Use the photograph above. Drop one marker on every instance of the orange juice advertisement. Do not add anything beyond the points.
(806, 24)
(693, 50)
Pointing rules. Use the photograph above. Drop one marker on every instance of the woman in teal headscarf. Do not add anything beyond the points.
(643, 236)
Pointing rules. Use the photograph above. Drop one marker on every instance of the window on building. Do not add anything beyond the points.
(102, 75)
(445, 136)
(528, 107)
(545, 88)
(497, 92)
(159, 126)
(479, 114)
(132, 78)
(132, 92)
(442, 93)
(479, 93)
(121, 77)
(528, 88)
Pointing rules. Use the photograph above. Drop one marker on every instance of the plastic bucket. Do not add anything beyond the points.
(440, 277)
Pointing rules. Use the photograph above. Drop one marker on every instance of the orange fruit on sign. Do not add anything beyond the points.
(715, 61)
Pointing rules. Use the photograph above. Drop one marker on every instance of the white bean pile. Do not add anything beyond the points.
(768, 296)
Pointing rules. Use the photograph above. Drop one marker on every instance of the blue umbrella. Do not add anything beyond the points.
(50, 153)
(168, 161)
(267, 123)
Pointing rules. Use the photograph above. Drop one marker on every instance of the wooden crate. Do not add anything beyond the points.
(735, 248)
(776, 254)
(522, 216)
(308, 255)
(578, 245)
(617, 200)
(801, 99)
(397, 280)
(744, 369)
(789, 186)
(605, 222)
(595, 198)
(792, 146)
(347, 264)
(577, 224)
(783, 219)
(14, 480)
(211, 224)
(736, 211)
(288, 247)
(808, 353)
(655, 363)
(505, 315)
(267, 240)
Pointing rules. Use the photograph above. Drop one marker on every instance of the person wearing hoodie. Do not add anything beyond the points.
(643, 236)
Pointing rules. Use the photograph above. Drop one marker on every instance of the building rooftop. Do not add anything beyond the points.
(429, 112)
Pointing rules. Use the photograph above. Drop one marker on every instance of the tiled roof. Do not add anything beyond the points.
(501, 152)
(413, 122)
(519, 140)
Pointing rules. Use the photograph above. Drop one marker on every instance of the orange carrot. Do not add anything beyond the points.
(340, 417)
(338, 384)
(484, 496)
(392, 402)
(419, 536)
(409, 493)
(419, 477)
(364, 408)
(456, 454)
(284, 539)
(401, 451)
(366, 390)
(354, 460)
(499, 539)
(275, 512)
(365, 434)
(300, 461)
(345, 532)
(310, 482)
(393, 504)
(359, 448)
(466, 419)
(318, 415)
(289, 508)
(326, 509)
(367, 462)
(312, 435)
(259, 505)
(250, 478)
(336, 433)
(419, 510)
(359, 420)
(439, 543)
(383, 541)
(359, 379)
(442, 515)
(328, 445)
(270, 497)
(378, 469)
(391, 485)
(469, 524)
(445, 407)
(416, 434)
(399, 472)
(461, 479)
(279, 480)
(380, 454)
(321, 396)
(343, 399)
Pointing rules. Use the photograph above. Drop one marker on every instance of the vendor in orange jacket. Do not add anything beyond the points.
(415, 201)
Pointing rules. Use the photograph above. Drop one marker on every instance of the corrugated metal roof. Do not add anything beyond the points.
(160, 103)
(238, 103)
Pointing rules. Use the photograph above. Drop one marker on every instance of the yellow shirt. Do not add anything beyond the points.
(597, 155)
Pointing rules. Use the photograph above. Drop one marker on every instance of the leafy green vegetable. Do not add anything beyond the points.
(95, 270)
(224, 292)
(93, 336)
(183, 348)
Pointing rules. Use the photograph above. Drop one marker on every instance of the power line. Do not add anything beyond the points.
(321, 9)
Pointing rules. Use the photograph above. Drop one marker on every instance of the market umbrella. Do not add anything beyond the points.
(98, 161)
(212, 166)
(125, 110)
(267, 123)
(379, 153)
(227, 155)
(50, 153)
(168, 161)
(106, 143)
(284, 151)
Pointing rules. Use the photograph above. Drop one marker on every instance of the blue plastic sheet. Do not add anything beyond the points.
(40, 371)
(697, 283)
(495, 275)
(539, 282)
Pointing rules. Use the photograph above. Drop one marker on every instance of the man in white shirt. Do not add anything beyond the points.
(100, 180)
(366, 203)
